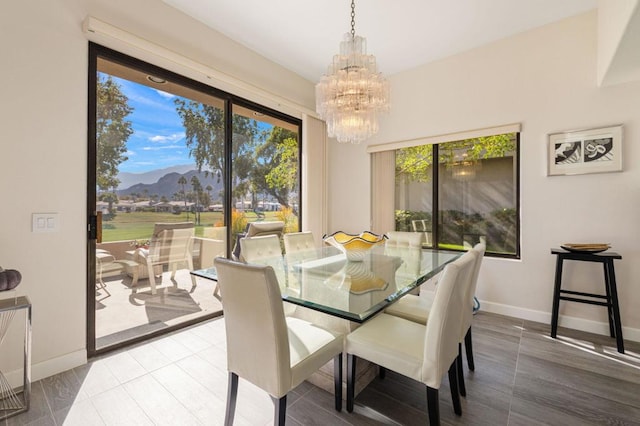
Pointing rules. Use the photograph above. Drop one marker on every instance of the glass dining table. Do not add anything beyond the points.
(324, 280)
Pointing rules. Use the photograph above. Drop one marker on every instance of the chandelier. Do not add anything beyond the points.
(353, 92)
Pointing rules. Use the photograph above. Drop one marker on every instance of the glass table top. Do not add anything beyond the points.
(325, 281)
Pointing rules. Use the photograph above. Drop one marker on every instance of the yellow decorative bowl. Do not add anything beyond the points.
(354, 246)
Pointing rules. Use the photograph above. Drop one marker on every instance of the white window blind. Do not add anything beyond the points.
(314, 176)
(383, 165)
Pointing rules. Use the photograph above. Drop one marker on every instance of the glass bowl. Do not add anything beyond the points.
(354, 246)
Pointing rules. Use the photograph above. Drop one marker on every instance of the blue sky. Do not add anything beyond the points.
(158, 138)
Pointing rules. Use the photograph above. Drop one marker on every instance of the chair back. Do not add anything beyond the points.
(296, 242)
(467, 317)
(404, 239)
(254, 249)
(171, 241)
(445, 319)
(257, 229)
(256, 330)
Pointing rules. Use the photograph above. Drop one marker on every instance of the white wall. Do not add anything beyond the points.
(546, 80)
(618, 41)
(43, 110)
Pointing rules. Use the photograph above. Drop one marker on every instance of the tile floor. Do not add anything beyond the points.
(522, 377)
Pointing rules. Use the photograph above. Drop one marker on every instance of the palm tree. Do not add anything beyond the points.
(209, 188)
(183, 181)
(197, 187)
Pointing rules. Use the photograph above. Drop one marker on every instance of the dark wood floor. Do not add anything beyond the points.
(522, 377)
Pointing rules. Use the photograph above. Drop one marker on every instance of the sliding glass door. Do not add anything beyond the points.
(177, 170)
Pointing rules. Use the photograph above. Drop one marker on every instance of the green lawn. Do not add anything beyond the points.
(139, 225)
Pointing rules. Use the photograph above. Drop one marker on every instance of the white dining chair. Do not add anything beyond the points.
(257, 229)
(254, 249)
(404, 239)
(421, 352)
(266, 250)
(417, 308)
(467, 319)
(264, 347)
(296, 242)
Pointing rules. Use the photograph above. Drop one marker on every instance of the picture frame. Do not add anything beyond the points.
(579, 152)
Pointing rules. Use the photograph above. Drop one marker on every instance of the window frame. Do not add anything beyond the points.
(435, 143)
(435, 190)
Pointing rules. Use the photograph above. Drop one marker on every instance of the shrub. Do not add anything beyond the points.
(238, 222)
(405, 218)
(290, 220)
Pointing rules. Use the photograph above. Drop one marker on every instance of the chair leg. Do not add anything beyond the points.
(351, 381)
(337, 380)
(152, 278)
(460, 372)
(174, 268)
(433, 406)
(453, 384)
(193, 278)
(280, 406)
(232, 393)
(469, 348)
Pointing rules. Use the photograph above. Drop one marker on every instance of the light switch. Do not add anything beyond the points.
(45, 222)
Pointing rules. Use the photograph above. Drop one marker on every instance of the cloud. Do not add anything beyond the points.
(166, 138)
(165, 94)
(161, 147)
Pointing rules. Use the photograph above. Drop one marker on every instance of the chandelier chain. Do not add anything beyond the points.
(353, 19)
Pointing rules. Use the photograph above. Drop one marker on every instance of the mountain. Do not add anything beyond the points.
(129, 179)
(167, 185)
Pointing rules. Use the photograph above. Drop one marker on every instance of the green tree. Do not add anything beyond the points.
(205, 137)
(275, 170)
(112, 133)
(415, 162)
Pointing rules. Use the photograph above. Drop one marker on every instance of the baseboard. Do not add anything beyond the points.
(49, 367)
(632, 334)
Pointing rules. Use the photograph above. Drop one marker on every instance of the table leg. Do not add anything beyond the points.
(616, 307)
(556, 297)
(607, 286)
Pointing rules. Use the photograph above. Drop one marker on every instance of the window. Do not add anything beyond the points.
(470, 194)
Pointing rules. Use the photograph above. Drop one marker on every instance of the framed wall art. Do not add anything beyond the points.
(585, 151)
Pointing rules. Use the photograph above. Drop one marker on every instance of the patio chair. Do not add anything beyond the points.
(170, 245)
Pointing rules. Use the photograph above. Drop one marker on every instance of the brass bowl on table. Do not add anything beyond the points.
(586, 247)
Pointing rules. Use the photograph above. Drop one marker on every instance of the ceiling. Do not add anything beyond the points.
(303, 35)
